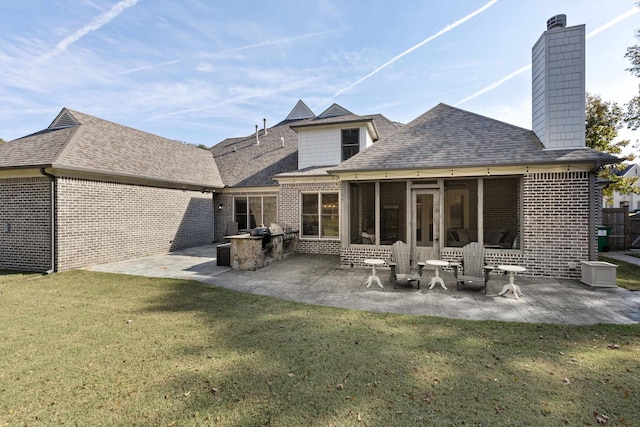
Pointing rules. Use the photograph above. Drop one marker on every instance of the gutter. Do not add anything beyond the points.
(53, 194)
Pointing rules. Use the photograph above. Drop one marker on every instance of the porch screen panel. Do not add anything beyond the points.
(393, 212)
(501, 213)
(460, 211)
(330, 217)
(363, 212)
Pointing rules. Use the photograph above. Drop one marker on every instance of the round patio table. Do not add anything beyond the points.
(374, 277)
(437, 279)
(511, 286)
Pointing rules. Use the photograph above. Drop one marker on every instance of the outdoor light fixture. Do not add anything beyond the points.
(220, 207)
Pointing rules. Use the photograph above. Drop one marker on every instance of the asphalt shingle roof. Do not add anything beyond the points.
(100, 146)
(446, 136)
(244, 163)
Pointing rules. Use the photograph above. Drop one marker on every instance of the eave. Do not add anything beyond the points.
(32, 171)
(466, 171)
(373, 131)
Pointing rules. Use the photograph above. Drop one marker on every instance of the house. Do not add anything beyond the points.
(631, 200)
(450, 177)
(351, 184)
(86, 191)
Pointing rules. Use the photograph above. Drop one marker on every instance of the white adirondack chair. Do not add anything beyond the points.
(472, 271)
(401, 265)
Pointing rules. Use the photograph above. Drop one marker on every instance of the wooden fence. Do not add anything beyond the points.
(620, 234)
(634, 235)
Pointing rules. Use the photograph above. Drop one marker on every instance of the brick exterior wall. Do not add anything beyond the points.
(25, 204)
(102, 222)
(223, 216)
(354, 256)
(96, 222)
(289, 213)
(556, 222)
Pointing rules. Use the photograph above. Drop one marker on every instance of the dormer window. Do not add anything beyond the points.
(350, 143)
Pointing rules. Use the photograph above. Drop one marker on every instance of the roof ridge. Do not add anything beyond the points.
(480, 115)
(66, 143)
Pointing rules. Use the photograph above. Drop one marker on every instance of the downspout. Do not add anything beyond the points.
(592, 211)
(53, 193)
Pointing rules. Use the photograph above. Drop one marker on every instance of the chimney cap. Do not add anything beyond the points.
(558, 21)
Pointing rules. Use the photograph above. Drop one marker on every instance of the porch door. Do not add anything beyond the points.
(425, 220)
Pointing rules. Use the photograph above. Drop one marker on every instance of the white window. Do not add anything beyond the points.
(320, 215)
(350, 143)
(252, 211)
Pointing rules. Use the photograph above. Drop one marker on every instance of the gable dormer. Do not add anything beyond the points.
(333, 137)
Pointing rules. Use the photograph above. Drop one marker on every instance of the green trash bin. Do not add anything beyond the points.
(603, 238)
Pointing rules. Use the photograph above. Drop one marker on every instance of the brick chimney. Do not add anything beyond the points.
(558, 85)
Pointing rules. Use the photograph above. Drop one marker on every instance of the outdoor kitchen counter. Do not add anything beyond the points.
(247, 252)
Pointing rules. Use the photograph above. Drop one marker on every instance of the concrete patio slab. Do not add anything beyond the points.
(320, 280)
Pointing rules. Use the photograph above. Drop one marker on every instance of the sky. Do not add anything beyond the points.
(200, 71)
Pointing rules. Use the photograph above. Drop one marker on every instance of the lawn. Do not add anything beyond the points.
(83, 348)
(627, 275)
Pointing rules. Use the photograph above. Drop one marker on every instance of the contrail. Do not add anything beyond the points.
(494, 84)
(519, 71)
(408, 51)
(93, 25)
(235, 49)
(614, 21)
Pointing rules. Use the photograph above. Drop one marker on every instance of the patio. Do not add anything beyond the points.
(319, 280)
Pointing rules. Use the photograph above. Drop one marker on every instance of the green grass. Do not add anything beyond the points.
(627, 275)
(82, 348)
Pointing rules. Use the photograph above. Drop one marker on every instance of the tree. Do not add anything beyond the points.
(2, 141)
(603, 120)
(632, 116)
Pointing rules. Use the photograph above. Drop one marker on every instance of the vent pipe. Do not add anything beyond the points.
(257, 140)
(558, 21)
(264, 121)
(282, 139)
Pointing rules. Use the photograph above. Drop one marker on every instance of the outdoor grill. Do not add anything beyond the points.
(287, 232)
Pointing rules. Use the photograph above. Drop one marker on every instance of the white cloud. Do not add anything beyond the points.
(98, 22)
(204, 67)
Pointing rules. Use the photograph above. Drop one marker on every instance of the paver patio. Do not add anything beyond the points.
(320, 280)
